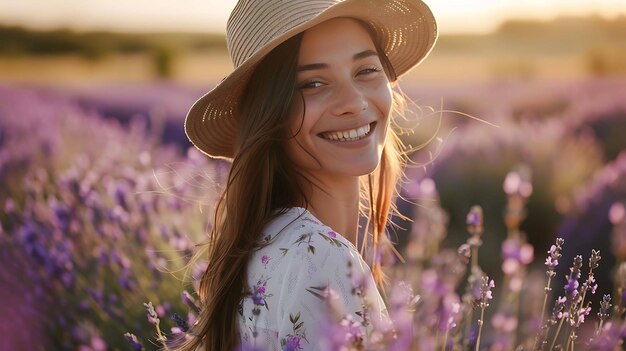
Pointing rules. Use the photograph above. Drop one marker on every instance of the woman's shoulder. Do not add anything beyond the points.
(296, 235)
(298, 227)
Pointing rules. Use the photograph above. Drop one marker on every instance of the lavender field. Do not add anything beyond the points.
(103, 201)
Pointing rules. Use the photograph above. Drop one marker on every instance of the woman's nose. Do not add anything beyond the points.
(348, 100)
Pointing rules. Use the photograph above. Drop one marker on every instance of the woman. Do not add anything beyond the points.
(305, 119)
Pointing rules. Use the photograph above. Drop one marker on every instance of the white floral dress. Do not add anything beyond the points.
(309, 289)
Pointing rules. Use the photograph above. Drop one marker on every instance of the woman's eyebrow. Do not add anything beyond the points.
(364, 54)
(357, 56)
(311, 67)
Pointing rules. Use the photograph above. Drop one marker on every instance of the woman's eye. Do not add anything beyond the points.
(369, 70)
(311, 85)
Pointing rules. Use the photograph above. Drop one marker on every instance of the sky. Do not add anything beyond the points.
(454, 16)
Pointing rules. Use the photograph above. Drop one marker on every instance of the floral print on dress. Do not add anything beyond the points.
(307, 239)
(259, 298)
(300, 292)
(332, 238)
(293, 340)
(265, 259)
(259, 295)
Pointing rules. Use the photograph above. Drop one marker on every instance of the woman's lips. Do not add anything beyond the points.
(350, 134)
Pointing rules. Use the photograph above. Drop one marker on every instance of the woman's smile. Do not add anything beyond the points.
(350, 134)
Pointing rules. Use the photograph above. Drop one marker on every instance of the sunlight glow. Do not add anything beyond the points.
(455, 16)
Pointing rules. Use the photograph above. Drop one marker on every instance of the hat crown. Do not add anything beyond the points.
(254, 23)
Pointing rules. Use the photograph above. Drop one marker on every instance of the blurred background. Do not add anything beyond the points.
(102, 196)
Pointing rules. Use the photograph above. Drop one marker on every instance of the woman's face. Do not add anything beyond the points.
(346, 102)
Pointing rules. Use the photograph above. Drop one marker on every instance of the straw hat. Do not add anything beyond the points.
(406, 29)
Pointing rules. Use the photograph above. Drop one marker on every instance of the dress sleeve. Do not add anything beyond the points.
(328, 297)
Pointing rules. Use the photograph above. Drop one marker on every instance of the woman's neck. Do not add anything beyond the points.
(336, 204)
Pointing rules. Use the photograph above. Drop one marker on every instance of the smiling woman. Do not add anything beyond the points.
(305, 118)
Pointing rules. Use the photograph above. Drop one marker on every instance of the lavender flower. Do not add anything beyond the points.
(475, 228)
(569, 310)
(485, 292)
(571, 288)
(190, 301)
(485, 295)
(474, 221)
(605, 306)
(181, 323)
(133, 341)
(518, 183)
(554, 255)
(516, 253)
(153, 318)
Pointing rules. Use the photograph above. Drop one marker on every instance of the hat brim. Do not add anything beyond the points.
(407, 32)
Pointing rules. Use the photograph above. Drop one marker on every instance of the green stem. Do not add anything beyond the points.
(545, 300)
(480, 327)
(474, 258)
(600, 327)
(160, 336)
(558, 330)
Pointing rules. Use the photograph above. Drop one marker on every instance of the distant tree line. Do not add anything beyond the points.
(598, 41)
(18, 41)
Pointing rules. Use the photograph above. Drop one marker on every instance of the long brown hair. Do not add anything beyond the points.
(262, 180)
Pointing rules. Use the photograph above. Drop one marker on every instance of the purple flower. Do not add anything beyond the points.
(151, 313)
(580, 317)
(258, 300)
(258, 293)
(292, 343)
(474, 220)
(557, 310)
(485, 291)
(515, 253)
(180, 322)
(332, 234)
(432, 282)
(551, 263)
(353, 329)
(190, 301)
(133, 341)
(448, 312)
(265, 259)
(518, 250)
(571, 286)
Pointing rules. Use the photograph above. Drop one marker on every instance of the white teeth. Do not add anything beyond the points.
(361, 131)
(348, 135)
